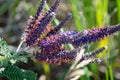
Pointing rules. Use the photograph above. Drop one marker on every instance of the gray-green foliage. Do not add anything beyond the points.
(7, 59)
(4, 51)
(15, 73)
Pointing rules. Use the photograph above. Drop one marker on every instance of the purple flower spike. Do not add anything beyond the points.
(54, 7)
(97, 34)
(94, 53)
(51, 58)
(32, 21)
(66, 56)
(62, 23)
(41, 26)
(37, 24)
(44, 22)
(40, 8)
(53, 41)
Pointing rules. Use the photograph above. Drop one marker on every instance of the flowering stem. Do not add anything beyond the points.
(19, 46)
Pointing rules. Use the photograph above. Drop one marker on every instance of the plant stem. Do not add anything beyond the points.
(19, 46)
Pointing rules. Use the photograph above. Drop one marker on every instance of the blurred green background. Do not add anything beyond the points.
(86, 14)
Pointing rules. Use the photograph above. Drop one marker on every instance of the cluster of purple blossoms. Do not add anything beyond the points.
(40, 32)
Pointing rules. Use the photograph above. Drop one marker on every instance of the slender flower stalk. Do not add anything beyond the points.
(19, 46)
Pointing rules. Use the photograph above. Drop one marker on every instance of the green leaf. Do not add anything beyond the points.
(9, 56)
(15, 73)
(5, 53)
(22, 58)
(3, 48)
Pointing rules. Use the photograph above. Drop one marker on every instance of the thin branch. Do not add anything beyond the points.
(19, 46)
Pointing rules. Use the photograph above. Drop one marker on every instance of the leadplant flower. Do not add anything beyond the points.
(41, 33)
